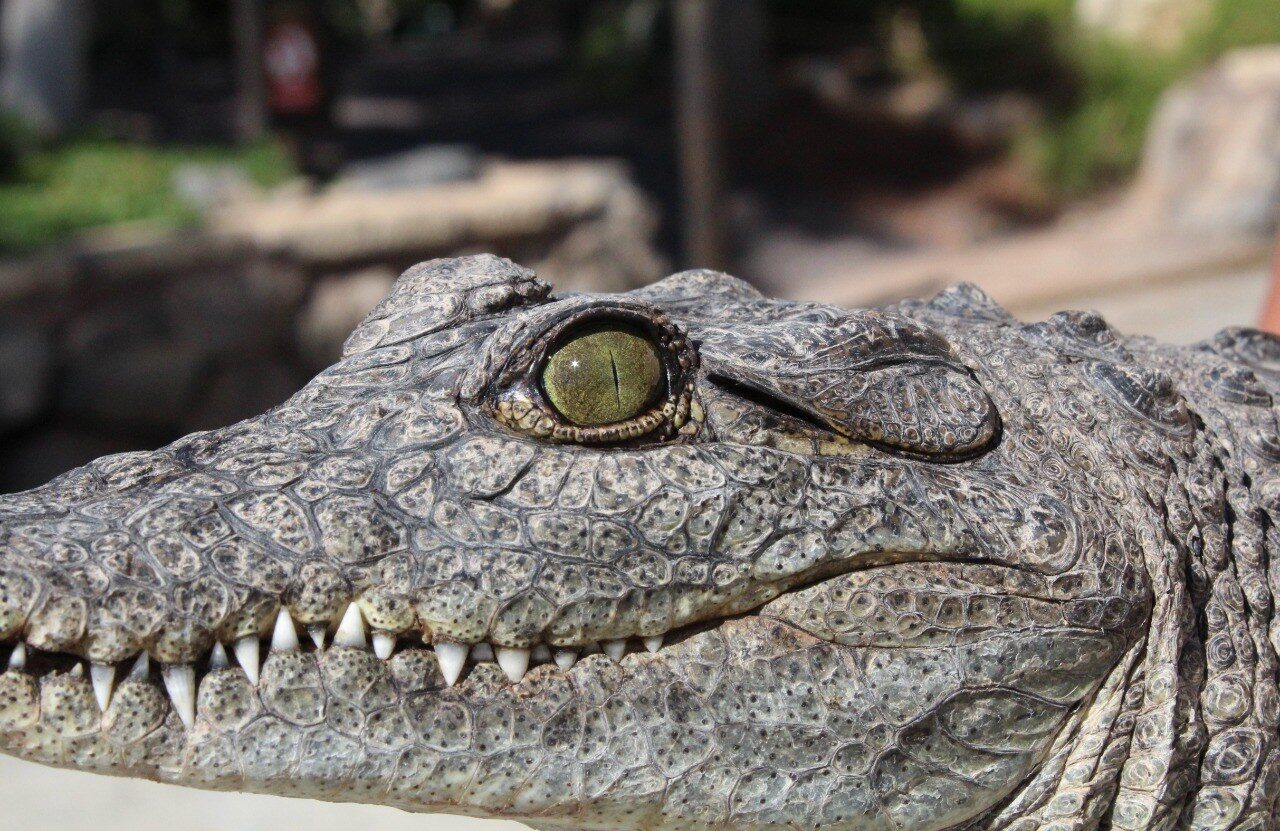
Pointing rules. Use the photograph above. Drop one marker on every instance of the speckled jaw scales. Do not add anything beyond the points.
(919, 568)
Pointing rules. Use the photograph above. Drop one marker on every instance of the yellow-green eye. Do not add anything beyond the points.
(610, 372)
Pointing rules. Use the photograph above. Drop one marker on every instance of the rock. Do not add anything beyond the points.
(238, 392)
(417, 168)
(613, 252)
(1212, 160)
(26, 357)
(205, 186)
(145, 387)
(242, 311)
(338, 304)
(515, 203)
(113, 323)
(36, 458)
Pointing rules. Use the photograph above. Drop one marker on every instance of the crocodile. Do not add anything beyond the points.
(684, 558)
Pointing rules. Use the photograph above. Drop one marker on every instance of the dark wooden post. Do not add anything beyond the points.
(44, 61)
(251, 96)
(697, 119)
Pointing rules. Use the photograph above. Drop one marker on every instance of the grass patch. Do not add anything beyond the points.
(86, 183)
(1097, 140)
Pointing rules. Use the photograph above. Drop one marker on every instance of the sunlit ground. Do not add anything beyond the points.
(34, 798)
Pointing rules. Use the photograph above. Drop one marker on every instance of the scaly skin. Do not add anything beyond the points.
(916, 569)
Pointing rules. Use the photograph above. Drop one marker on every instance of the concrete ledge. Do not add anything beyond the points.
(1041, 268)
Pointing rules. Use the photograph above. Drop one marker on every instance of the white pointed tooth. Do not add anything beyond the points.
(103, 677)
(481, 652)
(218, 657)
(18, 658)
(615, 649)
(451, 657)
(284, 637)
(77, 671)
(566, 658)
(318, 633)
(653, 644)
(249, 656)
(541, 654)
(514, 662)
(141, 670)
(180, 681)
(383, 645)
(351, 630)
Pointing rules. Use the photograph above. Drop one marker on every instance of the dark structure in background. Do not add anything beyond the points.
(735, 117)
(699, 97)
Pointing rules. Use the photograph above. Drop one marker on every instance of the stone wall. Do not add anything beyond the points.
(1212, 159)
(128, 342)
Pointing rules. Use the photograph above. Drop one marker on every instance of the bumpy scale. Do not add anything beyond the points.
(748, 564)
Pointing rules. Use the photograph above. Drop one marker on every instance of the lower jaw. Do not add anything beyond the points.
(654, 741)
(342, 725)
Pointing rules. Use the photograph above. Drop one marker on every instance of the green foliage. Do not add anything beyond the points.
(89, 182)
(1098, 94)
(989, 45)
(16, 141)
(1097, 139)
(1231, 24)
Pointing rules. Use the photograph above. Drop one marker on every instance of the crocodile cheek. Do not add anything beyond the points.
(943, 651)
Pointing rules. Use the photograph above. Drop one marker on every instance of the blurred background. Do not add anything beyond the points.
(200, 198)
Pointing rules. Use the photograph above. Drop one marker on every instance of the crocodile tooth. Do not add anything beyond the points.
(351, 630)
(540, 654)
(18, 660)
(451, 657)
(566, 658)
(654, 643)
(318, 633)
(383, 645)
(514, 662)
(615, 649)
(481, 652)
(141, 668)
(249, 655)
(284, 637)
(77, 671)
(218, 657)
(180, 681)
(103, 677)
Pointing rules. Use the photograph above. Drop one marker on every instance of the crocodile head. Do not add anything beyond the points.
(679, 558)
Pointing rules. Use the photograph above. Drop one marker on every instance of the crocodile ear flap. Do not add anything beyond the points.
(921, 407)
(871, 376)
(440, 294)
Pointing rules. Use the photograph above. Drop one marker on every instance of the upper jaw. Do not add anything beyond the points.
(158, 554)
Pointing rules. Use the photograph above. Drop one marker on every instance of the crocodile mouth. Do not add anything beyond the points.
(439, 666)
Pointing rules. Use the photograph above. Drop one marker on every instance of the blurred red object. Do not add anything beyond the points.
(1270, 321)
(292, 62)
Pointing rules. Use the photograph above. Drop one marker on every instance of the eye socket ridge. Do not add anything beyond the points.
(603, 374)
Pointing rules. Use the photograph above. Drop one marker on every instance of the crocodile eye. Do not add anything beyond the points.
(604, 373)
(593, 372)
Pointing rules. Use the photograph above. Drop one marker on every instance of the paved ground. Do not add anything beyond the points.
(1181, 311)
(34, 798)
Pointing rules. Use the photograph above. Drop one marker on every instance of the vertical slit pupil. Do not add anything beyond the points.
(604, 373)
